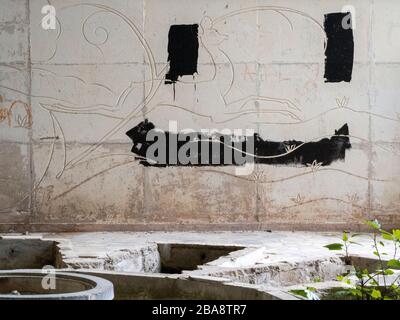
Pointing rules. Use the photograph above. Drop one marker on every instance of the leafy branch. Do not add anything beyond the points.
(367, 285)
(360, 283)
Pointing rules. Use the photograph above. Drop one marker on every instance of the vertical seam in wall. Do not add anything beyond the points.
(258, 85)
(30, 146)
(370, 100)
(144, 169)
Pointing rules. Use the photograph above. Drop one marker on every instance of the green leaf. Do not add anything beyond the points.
(343, 293)
(385, 232)
(309, 293)
(344, 279)
(356, 235)
(389, 272)
(356, 292)
(387, 236)
(395, 264)
(334, 246)
(376, 253)
(376, 294)
(345, 236)
(353, 242)
(373, 224)
(365, 272)
(381, 243)
(396, 234)
(374, 282)
(299, 292)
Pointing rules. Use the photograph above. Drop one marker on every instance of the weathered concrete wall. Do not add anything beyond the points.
(69, 95)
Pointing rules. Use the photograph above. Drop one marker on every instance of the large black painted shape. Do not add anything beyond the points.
(292, 152)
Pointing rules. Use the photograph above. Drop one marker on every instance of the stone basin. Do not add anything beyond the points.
(36, 285)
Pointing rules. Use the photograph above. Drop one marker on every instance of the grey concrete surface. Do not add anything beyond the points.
(28, 285)
(69, 95)
(273, 258)
(253, 265)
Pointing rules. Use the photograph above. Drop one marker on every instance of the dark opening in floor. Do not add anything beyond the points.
(28, 254)
(176, 257)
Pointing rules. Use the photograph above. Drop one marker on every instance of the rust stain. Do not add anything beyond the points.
(13, 113)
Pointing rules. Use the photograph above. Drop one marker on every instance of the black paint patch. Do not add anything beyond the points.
(292, 152)
(218, 154)
(323, 152)
(183, 47)
(339, 51)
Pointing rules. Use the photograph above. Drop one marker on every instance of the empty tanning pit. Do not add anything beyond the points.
(27, 253)
(176, 257)
(142, 286)
(36, 285)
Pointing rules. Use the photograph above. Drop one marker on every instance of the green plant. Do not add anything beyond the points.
(368, 285)
(361, 283)
(346, 242)
(308, 293)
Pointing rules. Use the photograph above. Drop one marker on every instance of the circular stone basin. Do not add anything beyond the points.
(37, 285)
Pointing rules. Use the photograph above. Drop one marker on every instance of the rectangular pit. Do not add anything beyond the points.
(27, 253)
(176, 257)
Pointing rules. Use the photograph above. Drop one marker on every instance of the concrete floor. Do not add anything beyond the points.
(265, 260)
(275, 246)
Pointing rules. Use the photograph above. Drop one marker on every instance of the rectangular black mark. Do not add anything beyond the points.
(339, 51)
(183, 46)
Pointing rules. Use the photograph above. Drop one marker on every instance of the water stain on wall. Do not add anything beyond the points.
(14, 177)
(223, 150)
(183, 46)
(339, 51)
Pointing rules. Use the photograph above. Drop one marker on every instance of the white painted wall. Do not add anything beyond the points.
(86, 81)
